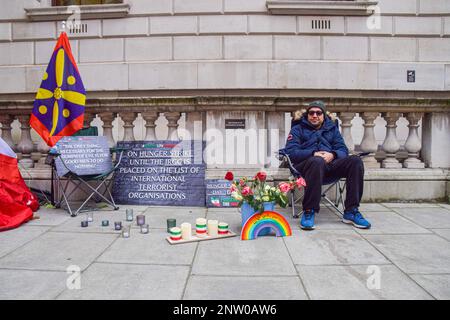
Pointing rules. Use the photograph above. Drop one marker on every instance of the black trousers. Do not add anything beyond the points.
(315, 171)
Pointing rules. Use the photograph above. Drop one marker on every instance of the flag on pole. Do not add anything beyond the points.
(58, 108)
(17, 203)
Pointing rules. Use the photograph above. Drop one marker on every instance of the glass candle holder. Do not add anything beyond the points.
(126, 232)
(171, 223)
(144, 228)
(129, 214)
(84, 224)
(140, 219)
(89, 216)
(118, 225)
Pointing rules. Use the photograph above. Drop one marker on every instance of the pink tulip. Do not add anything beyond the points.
(284, 187)
(246, 191)
(301, 182)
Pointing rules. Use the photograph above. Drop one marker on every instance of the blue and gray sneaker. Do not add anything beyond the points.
(355, 218)
(307, 222)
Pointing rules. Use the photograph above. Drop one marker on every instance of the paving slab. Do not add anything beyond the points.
(410, 205)
(151, 248)
(438, 285)
(331, 247)
(426, 254)
(56, 251)
(389, 223)
(31, 285)
(128, 282)
(365, 207)
(10, 240)
(357, 283)
(264, 256)
(49, 217)
(444, 233)
(244, 288)
(427, 217)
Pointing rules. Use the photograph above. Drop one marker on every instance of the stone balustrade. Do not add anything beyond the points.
(390, 153)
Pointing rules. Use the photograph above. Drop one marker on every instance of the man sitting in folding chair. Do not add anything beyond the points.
(318, 151)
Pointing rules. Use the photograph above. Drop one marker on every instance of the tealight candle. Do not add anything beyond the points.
(129, 214)
(140, 219)
(90, 217)
(126, 232)
(144, 228)
(200, 227)
(171, 223)
(186, 231)
(84, 224)
(213, 228)
(118, 225)
(105, 223)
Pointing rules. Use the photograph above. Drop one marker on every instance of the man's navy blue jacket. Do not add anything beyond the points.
(304, 140)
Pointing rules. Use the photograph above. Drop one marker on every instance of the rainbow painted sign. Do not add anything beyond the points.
(259, 221)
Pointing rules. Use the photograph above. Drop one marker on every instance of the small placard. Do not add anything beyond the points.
(218, 194)
(411, 75)
(234, 123)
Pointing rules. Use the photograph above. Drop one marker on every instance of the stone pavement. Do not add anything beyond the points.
(408, 248)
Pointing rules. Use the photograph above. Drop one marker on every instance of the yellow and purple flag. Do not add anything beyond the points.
(59, 104)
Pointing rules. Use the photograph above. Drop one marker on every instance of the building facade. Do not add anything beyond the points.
(158, 69)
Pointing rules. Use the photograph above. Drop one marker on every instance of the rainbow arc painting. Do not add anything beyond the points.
(259, 221)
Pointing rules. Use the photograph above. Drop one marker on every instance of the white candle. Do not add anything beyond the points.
(213, 228)
(186, 231)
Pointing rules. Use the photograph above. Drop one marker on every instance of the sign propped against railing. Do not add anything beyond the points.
(168, 173)
(83, 155)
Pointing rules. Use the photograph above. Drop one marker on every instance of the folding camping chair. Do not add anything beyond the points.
(339, 184)
(99, 192)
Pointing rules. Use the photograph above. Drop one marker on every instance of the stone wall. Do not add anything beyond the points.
(229, 44)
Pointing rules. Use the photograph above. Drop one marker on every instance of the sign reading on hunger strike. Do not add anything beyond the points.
(170, 173)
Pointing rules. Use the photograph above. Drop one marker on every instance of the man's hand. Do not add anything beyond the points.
(327, 156)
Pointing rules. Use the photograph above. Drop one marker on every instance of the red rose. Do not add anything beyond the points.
(229, 176)
(261, 176)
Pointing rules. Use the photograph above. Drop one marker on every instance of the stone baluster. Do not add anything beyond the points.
(6, 120)
(88, 118)
(369, 143)
(413, 144)
(274, 123)
(150, 118)
(172, 118)
(128, 119)
(42, 149)
(391, 144)
(25, 145)
(108, 118)
(346, 125)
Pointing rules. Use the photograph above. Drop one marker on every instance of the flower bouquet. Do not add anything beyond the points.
(257, 192)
